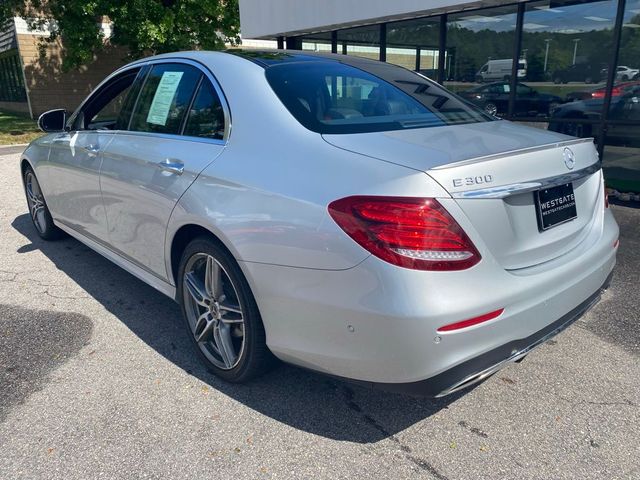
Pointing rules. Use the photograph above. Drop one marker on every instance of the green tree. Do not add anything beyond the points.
(142, 26)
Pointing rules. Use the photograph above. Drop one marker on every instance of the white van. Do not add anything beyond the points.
(500, 70)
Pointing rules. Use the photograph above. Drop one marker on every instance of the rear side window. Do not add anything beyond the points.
(206, 116)
(164, 99)
(332, 97)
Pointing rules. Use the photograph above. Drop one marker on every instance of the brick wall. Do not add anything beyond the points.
(49, 87)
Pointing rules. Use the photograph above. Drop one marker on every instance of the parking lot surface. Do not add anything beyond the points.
(98, 380)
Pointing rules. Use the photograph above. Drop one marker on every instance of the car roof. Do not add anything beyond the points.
(267, 58)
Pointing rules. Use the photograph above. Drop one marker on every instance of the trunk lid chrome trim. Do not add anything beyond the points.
(537, 148)
(504, 191)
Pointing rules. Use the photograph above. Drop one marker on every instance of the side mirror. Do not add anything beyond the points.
(53, 121)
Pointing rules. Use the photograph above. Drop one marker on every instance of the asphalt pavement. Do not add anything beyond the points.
(98, 380)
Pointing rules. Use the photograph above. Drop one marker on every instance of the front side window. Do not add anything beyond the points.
(104, 109)
(164, 99)
(333, 97)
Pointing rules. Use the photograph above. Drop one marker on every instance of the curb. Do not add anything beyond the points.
(11, 149)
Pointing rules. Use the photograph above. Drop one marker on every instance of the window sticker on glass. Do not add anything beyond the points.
(161, 104)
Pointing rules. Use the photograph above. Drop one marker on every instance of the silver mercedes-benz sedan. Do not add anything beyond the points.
(337, 213)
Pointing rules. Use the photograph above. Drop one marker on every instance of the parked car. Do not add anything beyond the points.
(625, 73)
(617, 90)
(338, 213)
(493, 98)
(580, 72)
(500, 70)
(587, 113)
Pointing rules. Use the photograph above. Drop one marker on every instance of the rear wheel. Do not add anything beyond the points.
(38, 210)
(221, 314)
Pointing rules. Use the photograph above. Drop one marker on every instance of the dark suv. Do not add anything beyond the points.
(580, 72)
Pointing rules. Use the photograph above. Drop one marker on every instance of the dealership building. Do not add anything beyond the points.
(572, 64)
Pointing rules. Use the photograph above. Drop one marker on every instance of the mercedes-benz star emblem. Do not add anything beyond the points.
(569, 158)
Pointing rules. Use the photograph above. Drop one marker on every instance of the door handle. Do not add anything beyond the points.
(171, 165)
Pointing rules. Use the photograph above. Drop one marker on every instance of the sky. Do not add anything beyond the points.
(560, 19)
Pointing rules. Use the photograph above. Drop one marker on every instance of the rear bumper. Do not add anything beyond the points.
(483, 366)
(378, 324)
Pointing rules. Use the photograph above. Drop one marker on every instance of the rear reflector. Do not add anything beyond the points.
(415, 233)
(472, 321)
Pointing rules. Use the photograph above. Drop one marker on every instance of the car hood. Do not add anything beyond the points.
(426, 148)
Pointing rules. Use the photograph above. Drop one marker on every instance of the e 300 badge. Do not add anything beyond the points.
(468, 181)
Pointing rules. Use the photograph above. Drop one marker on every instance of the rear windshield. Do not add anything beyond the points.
(332, 97)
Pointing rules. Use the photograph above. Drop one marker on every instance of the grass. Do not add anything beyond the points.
(16, 128)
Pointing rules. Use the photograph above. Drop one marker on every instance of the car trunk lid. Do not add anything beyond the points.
(492, 170)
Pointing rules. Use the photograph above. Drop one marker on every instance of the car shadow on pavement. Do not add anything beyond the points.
(301, 399)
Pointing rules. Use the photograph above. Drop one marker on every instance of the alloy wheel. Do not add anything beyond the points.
(491, 109)
(36, 202)
(213, 311)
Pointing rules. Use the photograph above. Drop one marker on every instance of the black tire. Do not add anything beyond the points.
(255, 358)
(557, 80)
(588, 80)
(625, 78)
(491, 108)
(38, 209)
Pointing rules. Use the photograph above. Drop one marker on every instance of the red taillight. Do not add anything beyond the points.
(615, 92)
(415, 233)
(471, 321)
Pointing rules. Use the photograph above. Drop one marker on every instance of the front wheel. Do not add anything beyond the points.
(38, 210)
(221, 314)
(491, 108)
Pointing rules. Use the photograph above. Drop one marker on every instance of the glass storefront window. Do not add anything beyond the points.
(479, 51)
(621, 160)
(566, 47)
(360, 41)
(317, 42)
(414, 44)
